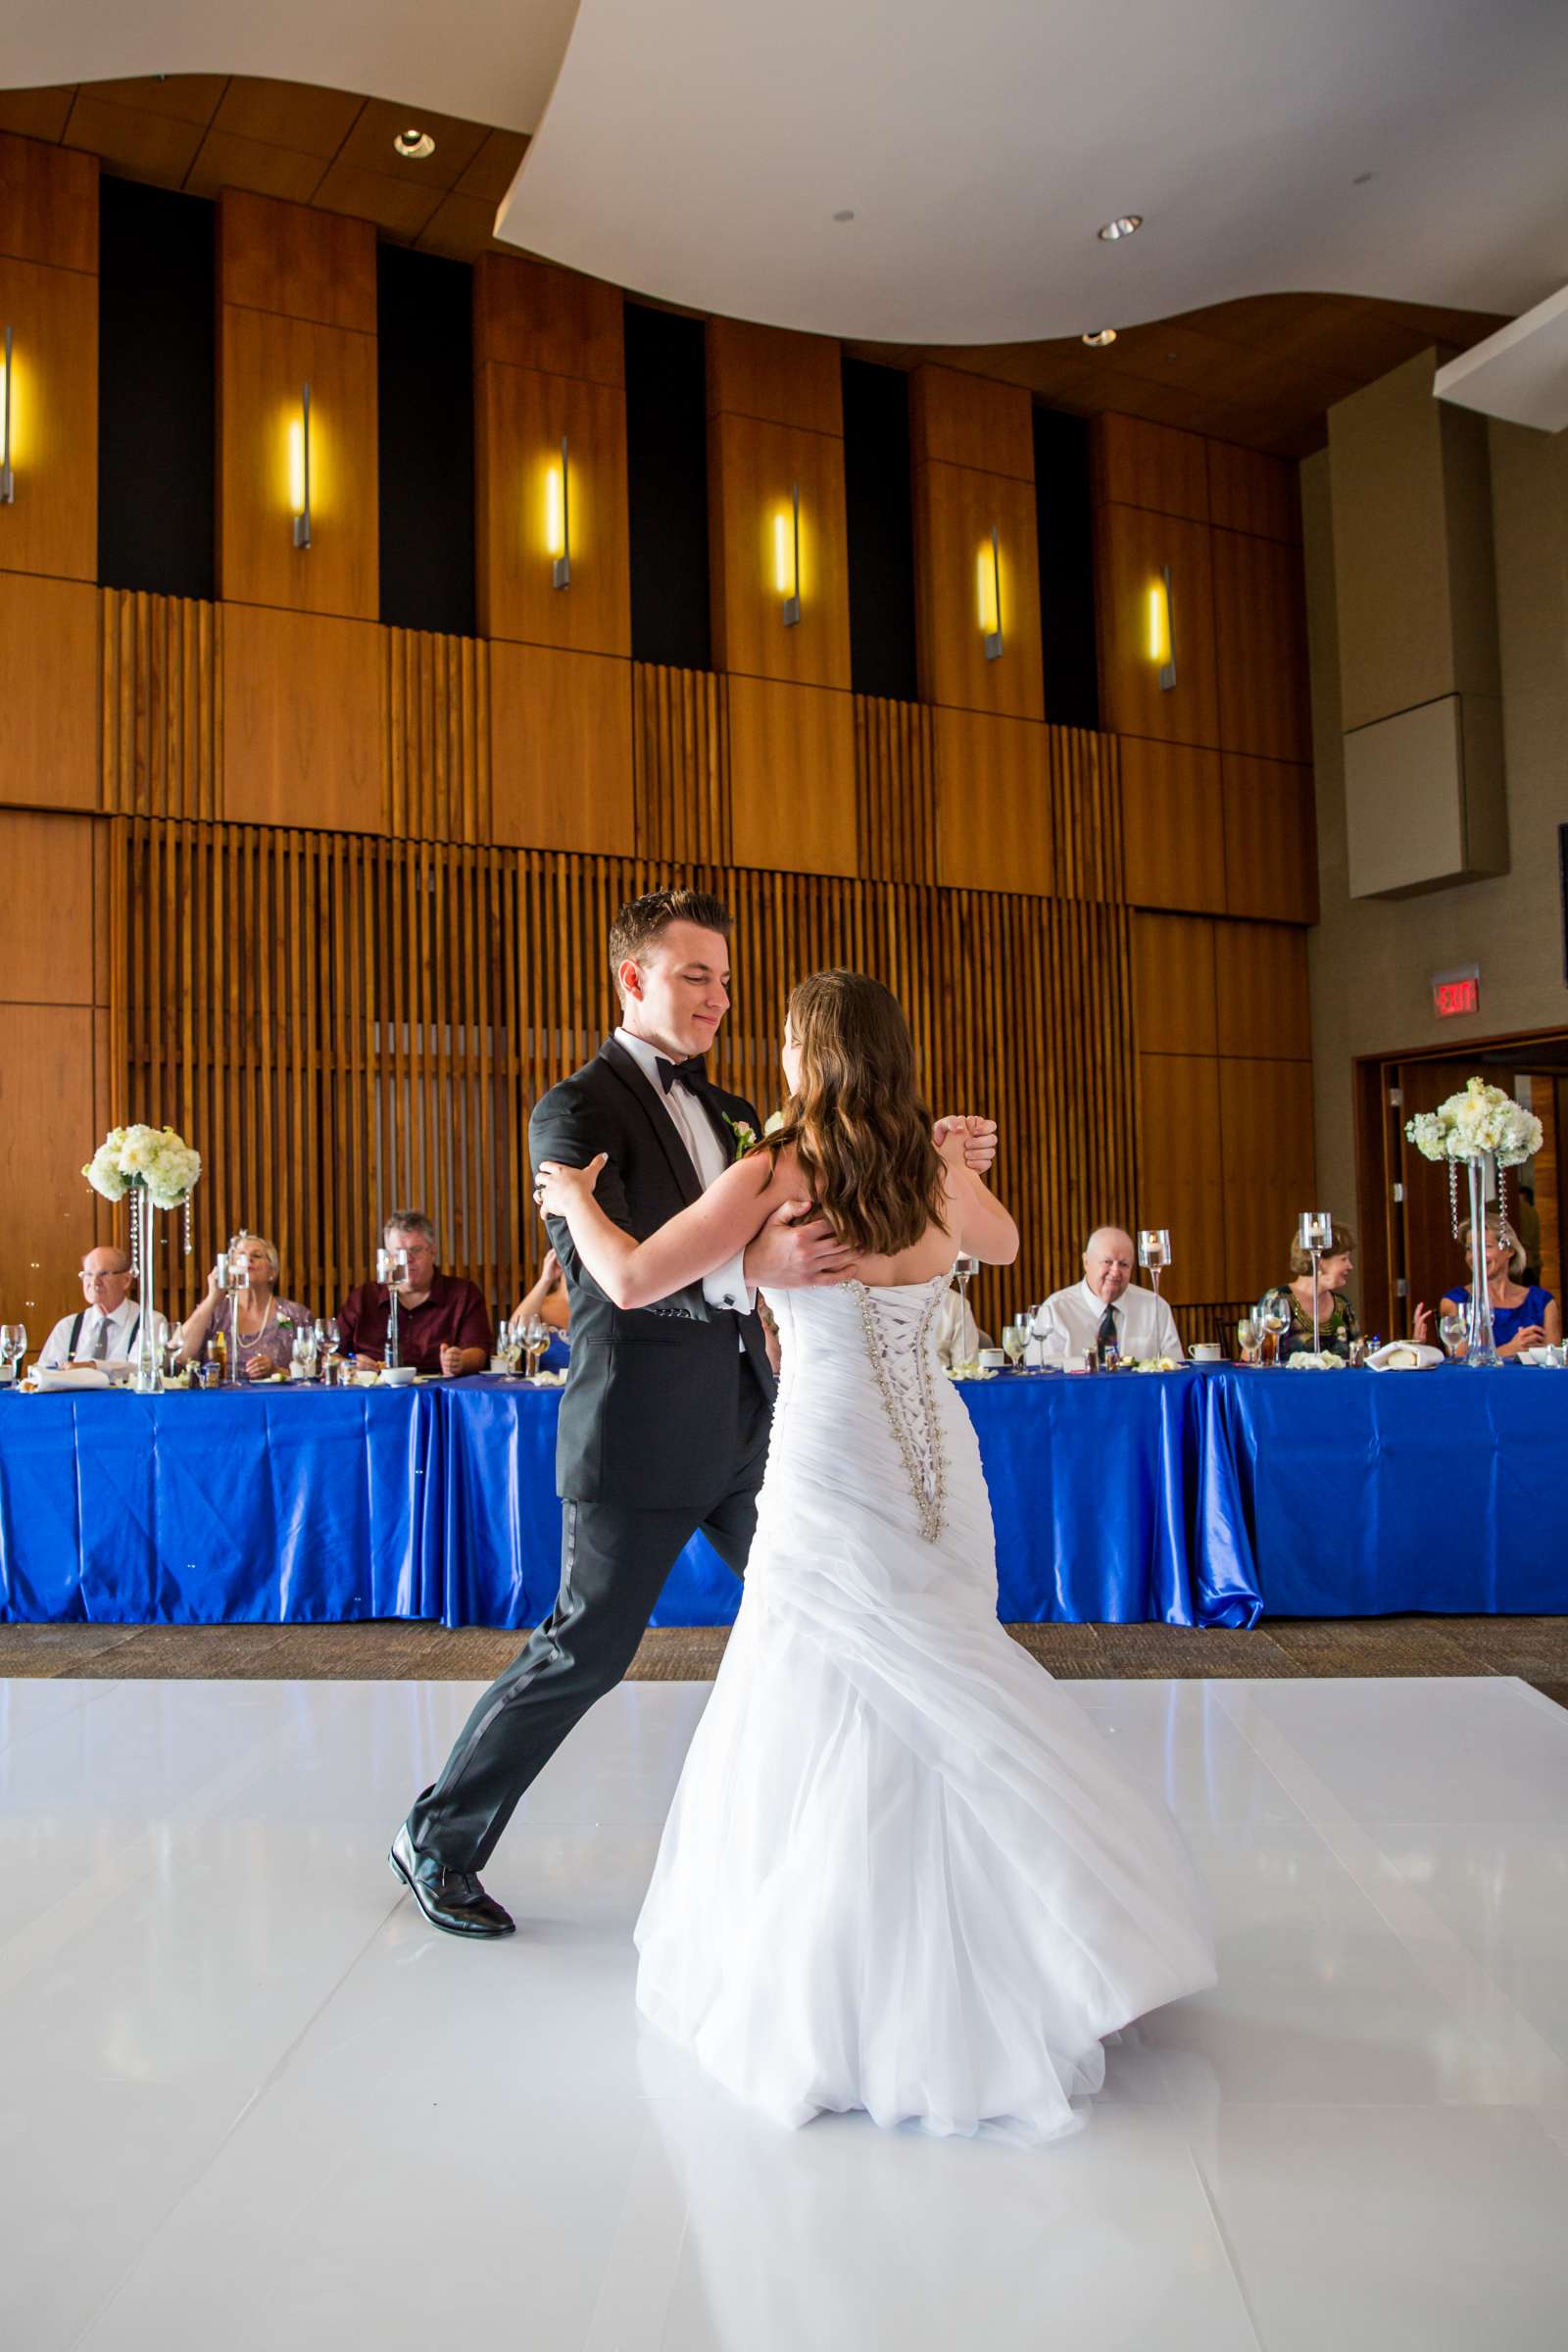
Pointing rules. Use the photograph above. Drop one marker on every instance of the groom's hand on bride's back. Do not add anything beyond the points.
(796, 1250)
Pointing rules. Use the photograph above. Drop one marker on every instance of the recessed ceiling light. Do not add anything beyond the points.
(1100, 337)
(413, 145)
(1123, 226)
(844, 215)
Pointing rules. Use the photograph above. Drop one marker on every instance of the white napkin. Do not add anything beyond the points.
(1404, 1356)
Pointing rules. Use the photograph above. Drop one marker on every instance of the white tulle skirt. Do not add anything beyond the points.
(902, 1870)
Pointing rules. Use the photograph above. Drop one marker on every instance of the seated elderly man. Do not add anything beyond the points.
(1104, 1309)
(443, 1323)
(104, 1329)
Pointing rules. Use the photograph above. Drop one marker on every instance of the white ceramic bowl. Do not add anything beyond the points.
(395, 1376)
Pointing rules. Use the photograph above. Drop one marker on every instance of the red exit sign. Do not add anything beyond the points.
(1456, 992)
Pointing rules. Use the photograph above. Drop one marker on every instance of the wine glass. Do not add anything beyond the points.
(301, 1356)
(1247, 1335)
(173, 1349)
(1274, 1316)
(1153, 1253)
(13, 1346)
(1015, 1340)
(1451, 1329)
(535, 1335)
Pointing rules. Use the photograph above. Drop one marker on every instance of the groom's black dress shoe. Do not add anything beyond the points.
(453, 1899)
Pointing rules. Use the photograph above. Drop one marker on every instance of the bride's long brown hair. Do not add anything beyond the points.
(860, 1132)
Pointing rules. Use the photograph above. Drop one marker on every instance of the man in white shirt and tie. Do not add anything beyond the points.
(104, 1329)
(1105, 1310)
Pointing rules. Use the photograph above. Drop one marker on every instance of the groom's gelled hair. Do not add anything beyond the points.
(641, 923)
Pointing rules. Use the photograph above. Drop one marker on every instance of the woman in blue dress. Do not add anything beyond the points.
(1521, 1316)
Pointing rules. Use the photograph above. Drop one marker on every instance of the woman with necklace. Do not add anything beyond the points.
(258, 1327)
(1523, 1315)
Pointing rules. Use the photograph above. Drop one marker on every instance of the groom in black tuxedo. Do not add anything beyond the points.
(665, 1418)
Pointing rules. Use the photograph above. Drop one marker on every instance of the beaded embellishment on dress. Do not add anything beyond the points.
(906, 1382)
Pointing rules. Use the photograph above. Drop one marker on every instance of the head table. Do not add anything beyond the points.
(1209, 1496)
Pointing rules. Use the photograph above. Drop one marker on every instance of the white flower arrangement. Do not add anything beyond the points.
(1308, 1362)
(774, 1123)
(1478, 1119)
(154, 1156)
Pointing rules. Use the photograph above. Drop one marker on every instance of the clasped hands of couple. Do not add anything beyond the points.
(797, 1249)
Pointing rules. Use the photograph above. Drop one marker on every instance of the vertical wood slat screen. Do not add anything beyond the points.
(344, 1024)
(895, 792)
(1086, 813)
(161, 673)
(680, 764)
(437, 693)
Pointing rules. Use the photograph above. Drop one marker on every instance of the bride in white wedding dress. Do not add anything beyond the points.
(902, 1870)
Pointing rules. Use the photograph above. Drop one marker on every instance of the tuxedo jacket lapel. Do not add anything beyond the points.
(663, 1126)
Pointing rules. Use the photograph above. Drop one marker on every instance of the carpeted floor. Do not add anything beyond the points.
(1535, 1648)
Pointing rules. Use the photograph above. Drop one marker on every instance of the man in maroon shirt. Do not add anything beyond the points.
(443, 1325)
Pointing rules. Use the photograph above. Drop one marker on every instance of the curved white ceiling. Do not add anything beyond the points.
(484, 61)
(698, 150)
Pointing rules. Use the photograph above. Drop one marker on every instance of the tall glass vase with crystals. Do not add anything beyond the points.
(1478, 1127)
(157, 1169)
(1480, 1345)
(148, 1376)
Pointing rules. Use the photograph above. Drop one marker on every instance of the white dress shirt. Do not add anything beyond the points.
(1069, 1324)
(957, 1336)
(56, 1349)
(726, 1288)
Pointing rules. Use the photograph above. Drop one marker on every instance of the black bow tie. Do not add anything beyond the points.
(693, 1073)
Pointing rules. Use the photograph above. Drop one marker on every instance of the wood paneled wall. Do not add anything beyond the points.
(334, 895)
(296, 304)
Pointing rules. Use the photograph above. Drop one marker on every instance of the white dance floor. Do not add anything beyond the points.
(248, 2098)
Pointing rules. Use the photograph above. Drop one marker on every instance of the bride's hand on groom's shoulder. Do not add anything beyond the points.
(966, 1142)
(560, 1188)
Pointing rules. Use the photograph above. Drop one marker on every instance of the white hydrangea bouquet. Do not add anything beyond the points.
(154, 1156)
(157, 1169)
(1478, 1123)
(1478, 1119)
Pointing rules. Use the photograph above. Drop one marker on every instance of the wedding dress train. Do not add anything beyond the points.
(902, 1870)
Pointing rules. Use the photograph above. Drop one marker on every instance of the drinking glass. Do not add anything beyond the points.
(174, 1346)
(1451, 1331)
(1246, 1337)
(303, 1353)
(1274, 1314)
(1015, 1340)
(535, 1335)
(13, 1344)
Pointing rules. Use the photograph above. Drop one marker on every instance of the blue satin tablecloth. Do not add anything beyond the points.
(1205, 1497)
(1361, 1494)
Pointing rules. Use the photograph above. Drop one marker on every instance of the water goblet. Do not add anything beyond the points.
(1015, 1340)
(1451, 1328)
(1246, 1337)
(1274, 1316)
(535, 1335)
(13, 1346)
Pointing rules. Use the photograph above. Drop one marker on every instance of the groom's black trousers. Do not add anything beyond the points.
(614, 1562)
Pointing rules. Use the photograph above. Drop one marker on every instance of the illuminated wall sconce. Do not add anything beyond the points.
(987, 586)
(557, 518)
(8, 480)
(787, 558)
(299, 470)
(1163, 630)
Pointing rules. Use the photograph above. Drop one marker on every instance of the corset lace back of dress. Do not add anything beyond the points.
(903, 1363)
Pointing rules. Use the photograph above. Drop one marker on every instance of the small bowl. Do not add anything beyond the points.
(992, 1360)
(395, 1376)
(1206, 1353)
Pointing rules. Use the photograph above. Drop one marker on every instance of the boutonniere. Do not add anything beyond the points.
(744, 1133)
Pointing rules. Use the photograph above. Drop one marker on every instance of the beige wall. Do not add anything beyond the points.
(1371, 959)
